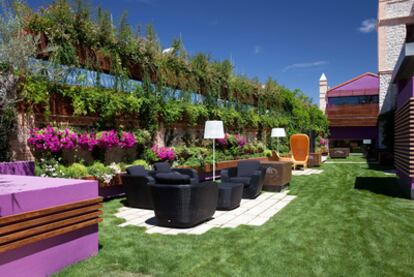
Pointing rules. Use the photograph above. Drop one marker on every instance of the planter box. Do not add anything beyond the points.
(339, 152)
(25, 168)
(76, 155)
(206, 171)
(230, 163)
(315, 159)
(278, 175)
(114, 189)
(118, 154)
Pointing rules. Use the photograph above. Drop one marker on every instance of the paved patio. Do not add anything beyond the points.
(308, 171)
(251, 212)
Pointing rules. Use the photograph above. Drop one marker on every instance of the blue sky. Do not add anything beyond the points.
(291, 41)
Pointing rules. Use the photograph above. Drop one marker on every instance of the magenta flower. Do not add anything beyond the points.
(108, 139)
(87, 141)
(241, 140)
(164, 153)
(49, 139)
(127, 140)
(54, 140)
(68, 139)
(223, 141)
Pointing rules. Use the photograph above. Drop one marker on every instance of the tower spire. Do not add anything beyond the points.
(323, 89)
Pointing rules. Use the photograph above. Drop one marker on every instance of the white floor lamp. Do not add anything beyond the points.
(214, 130)
(278, 133)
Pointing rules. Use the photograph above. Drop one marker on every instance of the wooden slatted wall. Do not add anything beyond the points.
(404, 138)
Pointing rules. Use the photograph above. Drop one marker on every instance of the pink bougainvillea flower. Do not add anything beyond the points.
(164, 153)
(127, 140)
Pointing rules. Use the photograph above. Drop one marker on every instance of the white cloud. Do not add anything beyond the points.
(368, 26)
(305, 65)
(257, 49)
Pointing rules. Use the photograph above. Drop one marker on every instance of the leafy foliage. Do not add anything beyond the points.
(140, 56)
(77, 39)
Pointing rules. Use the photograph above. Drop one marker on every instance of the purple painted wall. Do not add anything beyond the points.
(26, 168)
(405, 92)
(365, 84)
(19, 194)
(353, 133)
(46, 257)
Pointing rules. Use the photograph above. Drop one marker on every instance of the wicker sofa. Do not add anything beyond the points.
(184, 205)
(137, 183)
(249, 173)
(165, 168)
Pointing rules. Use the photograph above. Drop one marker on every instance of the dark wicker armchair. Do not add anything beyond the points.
(249, 173)
(183, 206)
(165, 168)
(136, 183)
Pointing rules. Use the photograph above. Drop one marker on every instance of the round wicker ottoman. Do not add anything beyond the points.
(230, 195)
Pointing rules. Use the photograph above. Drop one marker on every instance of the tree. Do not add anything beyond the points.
(16, 49)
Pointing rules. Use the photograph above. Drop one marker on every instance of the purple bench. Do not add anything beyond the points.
(46, 224)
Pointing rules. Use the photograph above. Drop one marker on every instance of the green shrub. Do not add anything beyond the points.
(150, 156)
(267, 153)
(193, 162)
(142, 163)
(191, 156)
(143, 137)
(98, 169)
(76, 170)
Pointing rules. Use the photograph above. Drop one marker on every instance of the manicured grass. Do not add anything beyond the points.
(350, 158)
(330, 229)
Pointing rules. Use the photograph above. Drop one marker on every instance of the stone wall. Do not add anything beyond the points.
(393, 15)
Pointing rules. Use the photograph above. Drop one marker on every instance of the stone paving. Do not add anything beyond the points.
(344, 162)
(308, 171)
(251, 212)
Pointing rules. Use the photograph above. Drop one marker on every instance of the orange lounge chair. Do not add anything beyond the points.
(299, 147)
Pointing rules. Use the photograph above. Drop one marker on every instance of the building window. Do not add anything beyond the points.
(353, 100)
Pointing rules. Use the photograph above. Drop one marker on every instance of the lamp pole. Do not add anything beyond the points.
(278, 133)
(214, 130)
(277, 145)
(214, 160)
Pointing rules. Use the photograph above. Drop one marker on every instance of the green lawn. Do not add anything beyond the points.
(350, 158)
(330, 229)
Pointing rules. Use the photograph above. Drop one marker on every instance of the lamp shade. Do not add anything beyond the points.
(278, 133)
(214, 129)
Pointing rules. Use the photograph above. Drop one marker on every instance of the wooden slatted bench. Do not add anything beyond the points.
(26, 228)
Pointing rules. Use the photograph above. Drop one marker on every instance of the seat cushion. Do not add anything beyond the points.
(137, 170)
(172, 178)
(247, 168)
(243, 180)
(162, 167)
